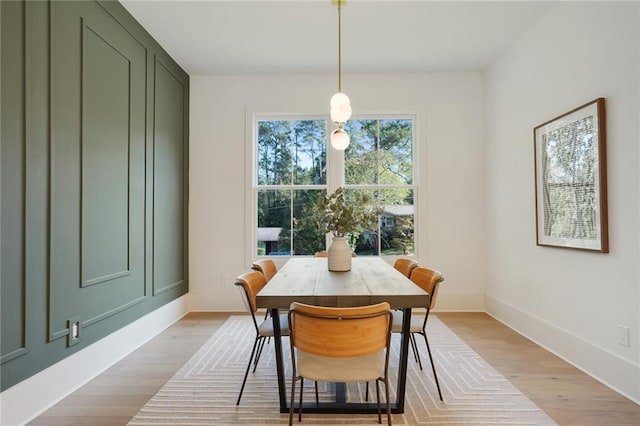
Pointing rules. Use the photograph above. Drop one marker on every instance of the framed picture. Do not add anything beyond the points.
(571, 179)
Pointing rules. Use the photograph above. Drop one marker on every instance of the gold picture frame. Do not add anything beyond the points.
(571, 179)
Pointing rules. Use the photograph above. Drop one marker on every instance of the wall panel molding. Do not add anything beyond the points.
(169, 169)
(91, 321)
(79, 239)
(108, 175)
(98, 81)
(14, 190)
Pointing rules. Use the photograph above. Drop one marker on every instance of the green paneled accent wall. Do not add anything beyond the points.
(94, 179)
(12, 227)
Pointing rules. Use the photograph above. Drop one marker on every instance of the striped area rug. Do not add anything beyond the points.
(205, 390)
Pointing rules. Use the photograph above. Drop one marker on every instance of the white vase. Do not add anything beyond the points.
(339, 255)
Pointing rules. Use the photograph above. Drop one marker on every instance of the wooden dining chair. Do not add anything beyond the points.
(266, 266)
(269, 269)
(340, 345)
(405, 265)
(429, 280)
(251, 283)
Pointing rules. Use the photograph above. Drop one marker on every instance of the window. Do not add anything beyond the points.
(291, 173)
(379, 160)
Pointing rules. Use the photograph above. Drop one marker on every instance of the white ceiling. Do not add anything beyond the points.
(262, 37)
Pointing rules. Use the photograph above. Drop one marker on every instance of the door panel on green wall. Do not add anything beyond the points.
(12, 227)
(97, 166)
(169, 172)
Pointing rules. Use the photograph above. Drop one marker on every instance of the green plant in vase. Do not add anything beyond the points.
(343, 216)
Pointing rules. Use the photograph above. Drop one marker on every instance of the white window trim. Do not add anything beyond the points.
(335, 177)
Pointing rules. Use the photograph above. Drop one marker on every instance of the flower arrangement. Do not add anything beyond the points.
(336, 214)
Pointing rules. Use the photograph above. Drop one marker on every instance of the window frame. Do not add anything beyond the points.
(335, 161)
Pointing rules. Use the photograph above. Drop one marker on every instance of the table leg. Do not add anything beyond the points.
(404, 355)
(277, 343)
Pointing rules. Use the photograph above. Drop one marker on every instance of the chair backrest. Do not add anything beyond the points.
(251, 282)
(340, 332)
(405, 265)
(267, 267)
(429, 280)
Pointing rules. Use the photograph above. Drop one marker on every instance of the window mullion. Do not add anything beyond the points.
(291, 221)
(335, 166)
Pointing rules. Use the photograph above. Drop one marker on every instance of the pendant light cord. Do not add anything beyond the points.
(339, 45)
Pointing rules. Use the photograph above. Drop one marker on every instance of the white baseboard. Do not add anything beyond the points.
(617, 373)
(28, 399)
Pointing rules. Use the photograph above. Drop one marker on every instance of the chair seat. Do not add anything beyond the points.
(266, 327)
(352, 369)
(415, 327)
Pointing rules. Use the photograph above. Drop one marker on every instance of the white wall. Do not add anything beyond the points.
(450, 149)
(570, 301)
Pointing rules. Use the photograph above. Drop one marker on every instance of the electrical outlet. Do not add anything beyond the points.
(623, 335)
(73, 337)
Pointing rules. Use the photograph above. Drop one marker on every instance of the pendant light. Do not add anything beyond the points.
(340, 103)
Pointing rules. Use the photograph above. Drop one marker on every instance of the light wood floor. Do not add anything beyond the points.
(567, 395)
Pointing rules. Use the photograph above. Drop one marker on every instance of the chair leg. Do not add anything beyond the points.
(386, 393)
(414, 348)
(257, 358)
(317, 399)
(378, 400)
(300, 406)
(246, 373)
(266, 315)
(293, 398)
(433, 366)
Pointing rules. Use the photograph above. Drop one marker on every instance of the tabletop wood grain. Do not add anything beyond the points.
(371, 280)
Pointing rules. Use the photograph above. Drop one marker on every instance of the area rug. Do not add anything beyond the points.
(205, 390)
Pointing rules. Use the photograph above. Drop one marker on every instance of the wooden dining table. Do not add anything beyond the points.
(371, 280)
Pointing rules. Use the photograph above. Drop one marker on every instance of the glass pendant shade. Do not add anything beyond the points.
(340, 113)
(340, 139)
(338, 99)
